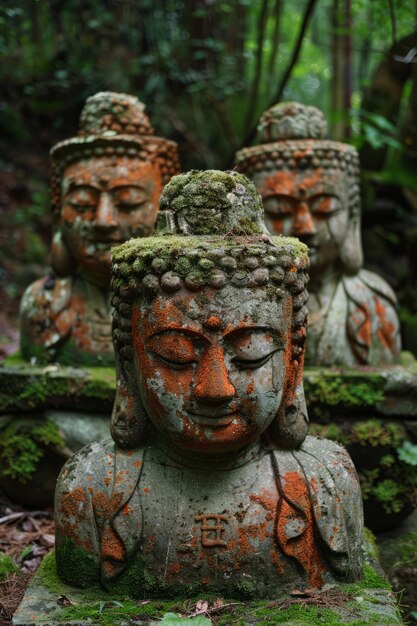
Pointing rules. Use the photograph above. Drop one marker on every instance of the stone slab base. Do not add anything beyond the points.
(48, 602)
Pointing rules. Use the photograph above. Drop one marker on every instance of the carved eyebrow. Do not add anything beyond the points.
(75, 185)
(114, 185)
(255, 329)
(332, 193)
(181, 330)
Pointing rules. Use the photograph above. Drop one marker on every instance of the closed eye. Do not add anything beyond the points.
(325, 205)
(176, 365)
(279, 204)
(174, 349)
(253, 364)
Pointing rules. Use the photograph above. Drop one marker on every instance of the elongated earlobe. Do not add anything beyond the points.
(351, 254)
(62, 261)
(128, 420)
(289, 428)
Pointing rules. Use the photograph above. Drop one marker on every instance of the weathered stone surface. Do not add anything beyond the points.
(105, 188)
(210, 483)
(310, 190)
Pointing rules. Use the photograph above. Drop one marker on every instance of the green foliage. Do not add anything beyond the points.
(393, 479)
(408, 453)
(375, 433)
(394, 486)
(333, 391)
(329, 431)
(7, 566)
(206, 69)
(376, 130)
(22, 445)
(172, 619)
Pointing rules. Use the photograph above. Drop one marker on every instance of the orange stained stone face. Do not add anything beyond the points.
(211, 367)
(311, 204)
(106, 201)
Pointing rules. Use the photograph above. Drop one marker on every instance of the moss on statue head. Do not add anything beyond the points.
(210, 203)
(209, 188)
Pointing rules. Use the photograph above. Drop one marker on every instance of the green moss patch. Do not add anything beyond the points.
(7, 566)
(329, 389)
(27, 387)
(359, 603)
(22, 444)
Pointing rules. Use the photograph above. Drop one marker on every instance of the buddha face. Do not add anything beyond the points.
(309, 204)
(211, 366)
(106, 201)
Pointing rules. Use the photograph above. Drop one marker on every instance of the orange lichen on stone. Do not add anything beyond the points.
(73, 511)
(105, 507)
(386, 329)
(302, 547)
(111, 549)
(174, 569)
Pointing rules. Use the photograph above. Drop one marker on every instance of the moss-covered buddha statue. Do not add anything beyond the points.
(310, 190)
(210, 482)
(106, 183)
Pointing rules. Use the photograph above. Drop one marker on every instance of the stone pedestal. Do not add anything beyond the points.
(373, 412)
(59, 409)
(49, 602)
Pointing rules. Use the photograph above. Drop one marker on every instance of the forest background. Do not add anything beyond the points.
(206, 70)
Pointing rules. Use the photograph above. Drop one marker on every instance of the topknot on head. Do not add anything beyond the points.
(108, 113)
(210, 203)
(291, 120)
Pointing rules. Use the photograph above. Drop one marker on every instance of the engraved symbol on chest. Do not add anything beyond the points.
(212, 529)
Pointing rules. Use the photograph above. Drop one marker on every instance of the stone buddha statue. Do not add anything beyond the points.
(209, 482)
(310, 190)
(106, 183)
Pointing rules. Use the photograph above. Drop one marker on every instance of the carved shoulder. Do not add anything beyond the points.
(379, 285)
(40, 307)
(77, 540)
(372, 323)
(337, 502)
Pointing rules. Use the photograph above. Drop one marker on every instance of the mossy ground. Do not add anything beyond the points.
(103, 609)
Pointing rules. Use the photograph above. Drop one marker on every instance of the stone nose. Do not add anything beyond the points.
(303, 221)
(105, 216)
(212, 383)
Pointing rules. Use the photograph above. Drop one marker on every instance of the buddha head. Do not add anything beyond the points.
(106, 183)
(309, 185)
(209, 330)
